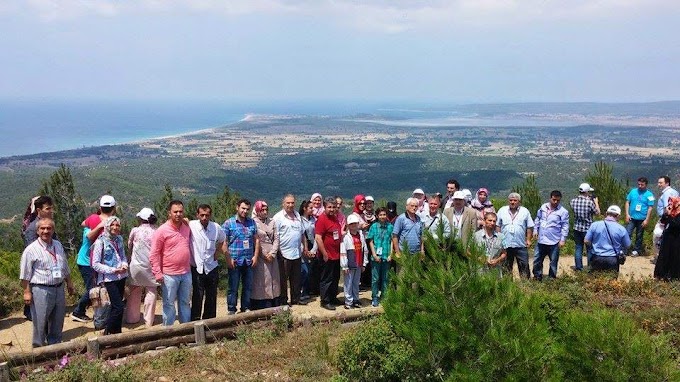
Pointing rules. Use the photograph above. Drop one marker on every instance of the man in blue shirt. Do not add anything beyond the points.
(608, 238)
(243, 244)
(551, 228)
(408, 230)
(516, 224)
(667, 191)
(638, 211)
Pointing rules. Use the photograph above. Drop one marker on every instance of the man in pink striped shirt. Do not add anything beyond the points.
(170, 258)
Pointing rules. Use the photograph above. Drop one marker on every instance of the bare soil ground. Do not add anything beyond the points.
(15, 330)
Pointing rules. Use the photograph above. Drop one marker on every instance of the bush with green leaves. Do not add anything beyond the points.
(373, 352)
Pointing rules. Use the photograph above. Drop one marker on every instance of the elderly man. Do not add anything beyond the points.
(423, 208)
(463, 219)
(207, 241)
(44, 268)
(408, 230)
(639, 203)
(608, 238)
(516, 224)
(291, 245)
(328, 236)
(551, 230)
(435, 219)
(170, 258)
(584, 207)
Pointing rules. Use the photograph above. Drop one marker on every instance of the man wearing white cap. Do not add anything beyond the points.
(423, 207)
(608, 238)
(584, 207)
(463, 219)
(94, 226)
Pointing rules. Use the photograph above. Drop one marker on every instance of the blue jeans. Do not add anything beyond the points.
(521, 255)
(176, 288)
(89, 281)
(379, 279)
(579, 238)
(553, 252)
(240, 274)
(636, 225)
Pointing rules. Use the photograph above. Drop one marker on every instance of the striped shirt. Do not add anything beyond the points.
(38, 261)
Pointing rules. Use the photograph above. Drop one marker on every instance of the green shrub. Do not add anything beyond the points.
(373, 352)
(11, 295)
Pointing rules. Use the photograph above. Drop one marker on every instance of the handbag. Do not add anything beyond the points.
(620, 256)
(99, 296)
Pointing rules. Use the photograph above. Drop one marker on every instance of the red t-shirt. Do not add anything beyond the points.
(93, 221)
(331, 235)
(358, 249)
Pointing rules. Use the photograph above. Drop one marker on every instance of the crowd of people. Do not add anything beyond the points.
(301, 252)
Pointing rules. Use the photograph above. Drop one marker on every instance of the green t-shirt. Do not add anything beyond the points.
(381, 234)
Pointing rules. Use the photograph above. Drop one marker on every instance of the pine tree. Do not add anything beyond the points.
(531, 195)
(161, 205)
(70, 207)
(608, 189)
(224, 205)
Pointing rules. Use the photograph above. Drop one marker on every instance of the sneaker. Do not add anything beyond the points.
(80, 317)
(328, 306)
(374, 304)
(634, 253)
(357, 304)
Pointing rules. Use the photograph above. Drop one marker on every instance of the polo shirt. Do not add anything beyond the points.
(602, 245)
(432, 223)
(514, 227)
(204, 242)
(330, 231)
(290, 233)
(639, 203)
(493, 246)
(663, 200)
(408, 231)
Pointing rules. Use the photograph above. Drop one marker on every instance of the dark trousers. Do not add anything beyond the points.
(305, 271)
(116, 290)
(204, 285)
(330, 277)
(261, 304)
(636, 225)
(367, 276)
(521, 256)
(87, 275)
(315, 275)
(604, 264)
(290, 277)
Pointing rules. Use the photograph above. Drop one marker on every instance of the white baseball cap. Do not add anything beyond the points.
(459, 195)
(585, 187)
(418, 191)
(107, 201)
(369, 198)
(614, 210)
(145, 213)
(352, 219)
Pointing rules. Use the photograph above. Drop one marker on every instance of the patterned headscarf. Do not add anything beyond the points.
(107, 238)
(674, 203)
(258, 207)
(476, 204)
(317, 211)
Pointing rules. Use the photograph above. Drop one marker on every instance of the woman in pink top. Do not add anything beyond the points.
(141, 276)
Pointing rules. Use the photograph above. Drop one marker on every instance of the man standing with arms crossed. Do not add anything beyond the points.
(515, 222)
(551, 230)
(639, 203)
(207, 240)
(170, 259)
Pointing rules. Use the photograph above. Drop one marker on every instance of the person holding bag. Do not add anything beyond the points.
(111, 265)
(609, 241)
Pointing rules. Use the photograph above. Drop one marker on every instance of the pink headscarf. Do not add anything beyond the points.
(258, 207)
(317, 211)
(358, 199)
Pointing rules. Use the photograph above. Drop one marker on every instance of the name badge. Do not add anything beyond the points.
(638, 207)
(511, 229)
(336, 235)
(544, 224)
(246, 244)
(378, 251)
(56, 272)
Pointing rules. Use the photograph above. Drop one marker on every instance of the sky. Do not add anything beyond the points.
(471, 51)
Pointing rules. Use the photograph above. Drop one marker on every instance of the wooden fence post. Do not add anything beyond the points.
(199, 333)
(93, 347)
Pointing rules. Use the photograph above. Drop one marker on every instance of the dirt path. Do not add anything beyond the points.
(16, 330)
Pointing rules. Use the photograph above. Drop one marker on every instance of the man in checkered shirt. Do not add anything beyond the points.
(584, 207)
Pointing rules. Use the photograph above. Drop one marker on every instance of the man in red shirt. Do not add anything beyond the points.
(328, 235)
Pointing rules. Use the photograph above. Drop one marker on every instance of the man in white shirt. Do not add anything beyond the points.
(516, 224)
(207, 240)
(291, 244)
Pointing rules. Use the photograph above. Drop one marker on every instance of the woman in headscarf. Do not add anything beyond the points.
(392, 211)
(359, 208)
(111, 265)
(369, 213)
(482, 206)
(667, 266)
(141, 277)
(317, 204)
(266, 286)
(310, 264)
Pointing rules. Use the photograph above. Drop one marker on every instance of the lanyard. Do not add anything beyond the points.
(513, 216)
(53, 254)
(490, 242)
(457, 217)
